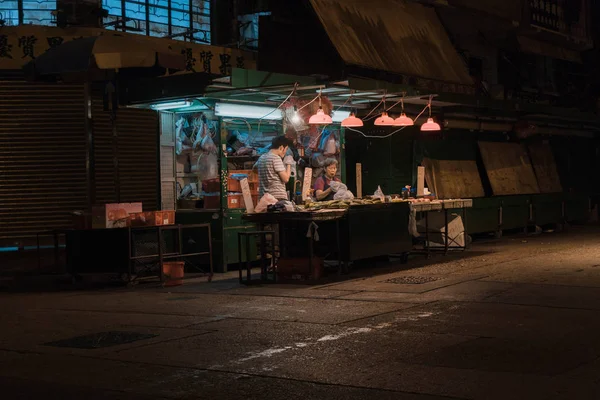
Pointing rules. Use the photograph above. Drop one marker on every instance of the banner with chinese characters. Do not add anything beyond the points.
(21, 44)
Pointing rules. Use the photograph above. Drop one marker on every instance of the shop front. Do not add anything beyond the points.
(211, 143)
(68, 145)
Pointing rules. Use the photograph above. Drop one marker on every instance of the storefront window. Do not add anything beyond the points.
(249, 29)
(179, 19)
(34, 12)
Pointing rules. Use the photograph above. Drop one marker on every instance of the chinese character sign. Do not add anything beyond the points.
(22, 44)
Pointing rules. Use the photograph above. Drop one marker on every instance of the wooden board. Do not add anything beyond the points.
(508, 168)
(452, 179)
(306, 183)
(420, 181)
(544, 167)
(247, 195)
(359, 180)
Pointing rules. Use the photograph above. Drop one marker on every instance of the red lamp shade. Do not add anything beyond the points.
(384, 120)
(352, 122)
(320, 118)
(403, 120)
(430, 126)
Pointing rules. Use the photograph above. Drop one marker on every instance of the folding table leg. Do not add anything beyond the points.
(248, 265)
(339, 247)
(446, 230)
(240, 264)
(263, 256)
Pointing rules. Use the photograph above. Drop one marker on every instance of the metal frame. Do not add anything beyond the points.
(264, 273)
(161, 256)
(427, 249)
(281, 219)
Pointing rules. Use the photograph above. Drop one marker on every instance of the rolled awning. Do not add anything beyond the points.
(393, 36)
(541, 48)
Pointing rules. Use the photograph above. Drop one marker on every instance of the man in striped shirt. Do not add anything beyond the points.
(274, 170)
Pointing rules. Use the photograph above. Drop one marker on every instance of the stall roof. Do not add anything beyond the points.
(262, 87)
(395, 36)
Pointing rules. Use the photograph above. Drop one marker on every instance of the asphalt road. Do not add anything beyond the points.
(509, 319)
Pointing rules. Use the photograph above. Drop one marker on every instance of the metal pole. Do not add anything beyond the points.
(89, 148)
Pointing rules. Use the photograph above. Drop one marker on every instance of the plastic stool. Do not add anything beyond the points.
(262, 236)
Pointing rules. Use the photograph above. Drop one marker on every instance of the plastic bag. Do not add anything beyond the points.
(331, 146)
(343, 194)
(337, 186)
(317, 160)
(282, 205)
(206, 166)
(379, 194)
(179, 135)
(266, 201)
(208, 145)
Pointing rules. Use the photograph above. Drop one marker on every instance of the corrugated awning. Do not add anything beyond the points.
(393, 36)
(540, 48)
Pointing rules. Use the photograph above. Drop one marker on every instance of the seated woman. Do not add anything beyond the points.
(323, 191)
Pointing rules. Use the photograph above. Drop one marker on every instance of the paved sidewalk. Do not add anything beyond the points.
(509, 319)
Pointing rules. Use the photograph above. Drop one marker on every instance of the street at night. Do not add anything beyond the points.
(299, 199)
(510, 319)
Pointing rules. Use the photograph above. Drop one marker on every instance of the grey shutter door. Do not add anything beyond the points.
(42, 157)
(126, 156)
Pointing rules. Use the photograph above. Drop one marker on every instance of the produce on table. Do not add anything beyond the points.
(338, 204)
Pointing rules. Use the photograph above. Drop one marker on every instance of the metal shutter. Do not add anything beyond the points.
(138, 156)
(42, 157)
(104, 165)
(136, 151)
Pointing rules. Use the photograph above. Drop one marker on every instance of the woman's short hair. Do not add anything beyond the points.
(330, 161)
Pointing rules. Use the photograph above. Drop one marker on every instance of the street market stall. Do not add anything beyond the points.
(210, 145)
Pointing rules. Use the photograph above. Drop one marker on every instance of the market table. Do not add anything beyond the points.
(128, 251)
(361, 231)
(443, 206)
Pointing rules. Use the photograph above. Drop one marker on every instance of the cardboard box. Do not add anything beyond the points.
(153, 218)
(234, 185)
(114, 215)
(298, 268)
(233, 201)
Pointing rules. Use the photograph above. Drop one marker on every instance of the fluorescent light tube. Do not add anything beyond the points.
(340, 115)
(171, 105)
(247, 111)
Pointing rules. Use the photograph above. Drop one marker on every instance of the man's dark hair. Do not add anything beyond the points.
(281, 141)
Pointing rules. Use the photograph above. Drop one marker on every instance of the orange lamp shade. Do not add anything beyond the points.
(384, 120)
(403, 120)
(320, 118)
(352, 122)
(430, 126)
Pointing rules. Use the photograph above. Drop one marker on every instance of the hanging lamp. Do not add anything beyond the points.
(384, 120)
(403, 120)
(430, 125)
(320, 118)
(352, 121)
